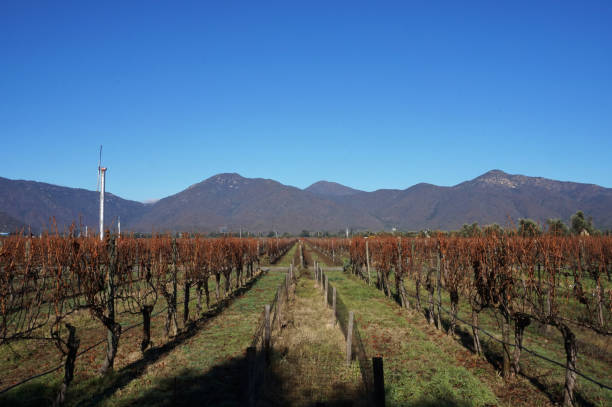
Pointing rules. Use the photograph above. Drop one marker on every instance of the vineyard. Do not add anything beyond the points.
(68, 293)
(553, 292)
(81, 316)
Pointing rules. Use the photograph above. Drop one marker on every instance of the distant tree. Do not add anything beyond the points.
(580, 223)
(528, 227)
(470, 230)
(493, 230)
(271, 233)
(557, 227)
(305, 233)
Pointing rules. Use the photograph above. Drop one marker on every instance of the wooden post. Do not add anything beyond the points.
(334, 304)
(267, 332)
(439, 284)
(349, 338)
(379, 382)
(279, 302)
(325, 292)
(301, 248)
(368, 261)
(323, 286)
(251, 374)
(287, 280)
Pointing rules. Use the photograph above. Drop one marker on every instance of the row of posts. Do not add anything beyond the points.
(322, 281)
(252, 350)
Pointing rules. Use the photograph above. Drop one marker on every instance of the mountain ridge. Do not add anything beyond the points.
(328, 188)
(231, 201)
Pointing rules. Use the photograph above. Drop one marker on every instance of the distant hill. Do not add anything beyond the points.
(36, 204)
(232, 202)
(494, 197)
(8, 224)
(327, 188)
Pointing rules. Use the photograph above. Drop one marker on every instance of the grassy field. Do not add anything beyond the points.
(594, 353)
(216, 341)
(309, 357)
(424, 366)
(205, 364)
(421, 366)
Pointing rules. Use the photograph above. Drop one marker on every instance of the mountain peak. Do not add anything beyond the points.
(329, 188)
(226, 176)
(497, 178)
(495, 173)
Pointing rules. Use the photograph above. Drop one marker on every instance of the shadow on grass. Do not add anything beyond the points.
(128, 373)
(94, 391)
(31, 395)
(493, 354)
(223, 385)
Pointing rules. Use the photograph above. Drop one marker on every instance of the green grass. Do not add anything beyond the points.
(191, 355)
(548, 344)
(594, 357)
(285, 261)
(309, 356)
(418, 371)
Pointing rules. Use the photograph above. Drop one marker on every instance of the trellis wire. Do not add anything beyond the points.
(357, 346)
(95, 345)
(532, 352)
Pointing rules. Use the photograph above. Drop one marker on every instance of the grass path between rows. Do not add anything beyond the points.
(421, 367)
(309, 357)
(594, 358)
(426, 366)
(28, 357)
(206, 369)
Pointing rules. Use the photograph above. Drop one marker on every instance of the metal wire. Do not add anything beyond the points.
(357, 346)
(95, 345)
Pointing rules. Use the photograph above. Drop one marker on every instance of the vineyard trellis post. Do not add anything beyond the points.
(334, 304)
(349, 338)
(439, 287)
(379, 381)
(251, 355)
(266, 344)
(326, 289)
(368, 260)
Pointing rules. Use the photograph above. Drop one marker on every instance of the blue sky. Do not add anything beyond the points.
(368, 94)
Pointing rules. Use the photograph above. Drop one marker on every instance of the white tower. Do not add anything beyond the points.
(102, 178)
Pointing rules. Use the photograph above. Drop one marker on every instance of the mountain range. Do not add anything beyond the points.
(232, 202)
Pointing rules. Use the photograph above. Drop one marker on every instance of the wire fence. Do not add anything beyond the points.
(269, 324)
(278, 306)
(500, 341)
(124, 329)
(342, 315)
(530, 351)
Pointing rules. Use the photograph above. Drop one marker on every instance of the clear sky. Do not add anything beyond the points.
(369, 94)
